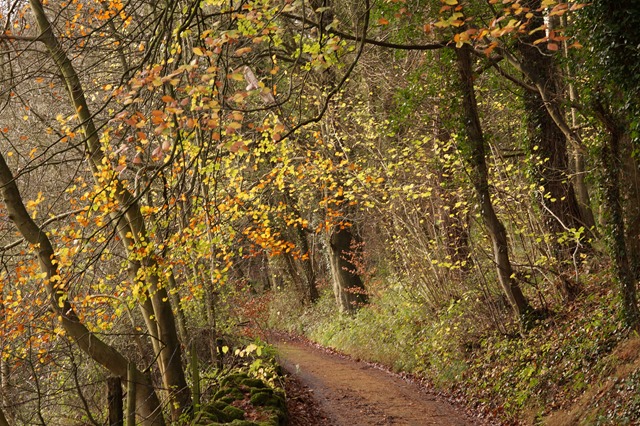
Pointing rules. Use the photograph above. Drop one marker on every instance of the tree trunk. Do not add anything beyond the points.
(301, 268)
(307, 266)
(3, 419)
(453, 213)
(170, 356)
(631, 211)
(114, 398)
(614, 217)
(347, 284)
(148, 404)
(474, 152)
(582, 192)
(548, 145)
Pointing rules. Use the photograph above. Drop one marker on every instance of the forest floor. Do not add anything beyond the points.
(328, 389)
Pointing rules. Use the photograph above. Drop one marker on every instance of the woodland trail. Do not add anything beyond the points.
(352, 393)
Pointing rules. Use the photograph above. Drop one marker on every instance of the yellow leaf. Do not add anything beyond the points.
(198, 51)
(236, 76)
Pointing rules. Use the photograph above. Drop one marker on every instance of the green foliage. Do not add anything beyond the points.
(555, 362)
(613, 61)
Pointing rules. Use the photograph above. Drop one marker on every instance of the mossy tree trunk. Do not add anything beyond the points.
(614, 215)
(473, 149)
(547, 144)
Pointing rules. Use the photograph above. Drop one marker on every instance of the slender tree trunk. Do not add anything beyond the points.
(170, 355)
(453, 213)
(175, 301)
(148, 404)
(5, 377)
(475, 153)
(299, 281)
(306, 263)
(301, 267)
(582, 192)
(114, 398)
(579, 172)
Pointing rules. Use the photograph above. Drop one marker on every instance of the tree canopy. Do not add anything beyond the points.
(172, 170)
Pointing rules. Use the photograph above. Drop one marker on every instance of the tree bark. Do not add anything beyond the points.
(3, 419)
(582, 192)
(548, 144)
(114, 398)
(631, 211)
(614, 216)
(455, 229)
(474, 152)
(347, 284)
(307, 266)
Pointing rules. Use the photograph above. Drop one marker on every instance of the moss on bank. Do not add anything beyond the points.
(242, 400)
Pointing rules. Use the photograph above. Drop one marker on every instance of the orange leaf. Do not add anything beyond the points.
(242, 51)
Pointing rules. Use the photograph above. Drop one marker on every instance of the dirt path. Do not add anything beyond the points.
(352, 393)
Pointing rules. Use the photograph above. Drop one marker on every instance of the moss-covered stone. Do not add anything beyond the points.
(254, 383)
(233, 379)
(233, 413)
(228, 394)
(262, 399)
(240, 387)
(218, 411)
(255, 391)
(205, 418)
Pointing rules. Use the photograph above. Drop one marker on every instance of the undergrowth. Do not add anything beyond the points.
(518, 376)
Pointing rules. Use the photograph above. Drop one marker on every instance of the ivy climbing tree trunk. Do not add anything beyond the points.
(548, 144)
(147, 403)
(169, 353)
(614, 216)
(474, 151)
